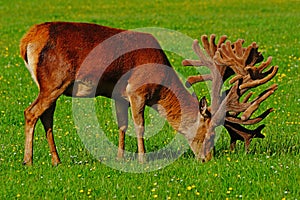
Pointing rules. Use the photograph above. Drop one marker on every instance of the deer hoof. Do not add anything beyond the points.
(27, 163)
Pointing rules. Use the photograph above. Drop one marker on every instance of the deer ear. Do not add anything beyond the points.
(204, 108)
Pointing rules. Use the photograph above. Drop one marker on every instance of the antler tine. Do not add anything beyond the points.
(238, 47)
(255, 56)
(213, 46)
(250, 55)
(235, 78)
(256, 103)
(203, 59)
(197, 50)
(210, 46)
(234, 119)
(247, 97)
(256, 75)
(268, 76)
(198, 78)
(265, 64)
(222, 39)
(206, 44)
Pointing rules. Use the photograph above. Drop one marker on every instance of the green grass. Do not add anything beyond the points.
(269, 171)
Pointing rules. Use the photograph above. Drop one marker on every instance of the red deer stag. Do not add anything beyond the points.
(88, 60)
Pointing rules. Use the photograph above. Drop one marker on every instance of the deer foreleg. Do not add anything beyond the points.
(137, 108)
(122, 117)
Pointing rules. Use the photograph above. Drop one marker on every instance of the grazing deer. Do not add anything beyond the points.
(88, 60)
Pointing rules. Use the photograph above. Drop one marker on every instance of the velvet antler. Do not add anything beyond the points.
(226, 59)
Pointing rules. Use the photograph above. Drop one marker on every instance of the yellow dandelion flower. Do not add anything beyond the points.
(189, 188)
(155, 196)
(81, 191)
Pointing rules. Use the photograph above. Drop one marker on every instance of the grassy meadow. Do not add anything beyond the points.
(271, 170)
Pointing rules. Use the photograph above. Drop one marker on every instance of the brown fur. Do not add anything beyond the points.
(79, 59)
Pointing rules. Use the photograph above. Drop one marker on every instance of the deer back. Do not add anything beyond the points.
(91, 57)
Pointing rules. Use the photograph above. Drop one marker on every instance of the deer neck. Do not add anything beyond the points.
(180, 109)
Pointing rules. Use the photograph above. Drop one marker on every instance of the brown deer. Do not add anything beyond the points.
(88, 60)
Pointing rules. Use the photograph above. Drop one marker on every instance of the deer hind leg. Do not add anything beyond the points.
(47, 121)
(32, 114)
(122, 117)
(40, 107)
(30, 122)
(137, 108)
